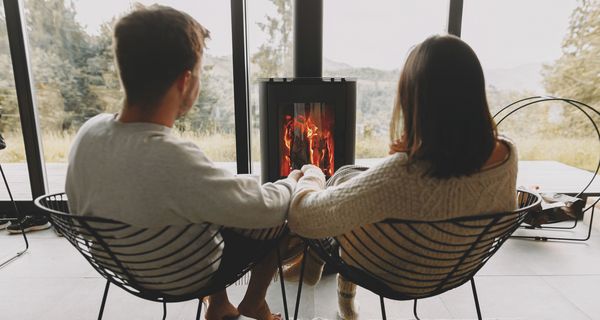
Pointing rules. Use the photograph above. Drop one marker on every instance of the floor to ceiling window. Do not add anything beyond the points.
(532, 48)
(12, 158)
(369, 40)
(70, 45)
(526, 48)
(270, 55)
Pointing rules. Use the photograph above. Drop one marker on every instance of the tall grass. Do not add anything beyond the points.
(578, 152)
(56, 145)
(582, 153)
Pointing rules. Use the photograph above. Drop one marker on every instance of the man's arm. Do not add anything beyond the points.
(206, 193)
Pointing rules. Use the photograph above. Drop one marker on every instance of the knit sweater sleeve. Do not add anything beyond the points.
(316, 212)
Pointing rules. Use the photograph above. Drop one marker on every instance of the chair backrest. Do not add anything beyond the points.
(406, 260)
(170, 263)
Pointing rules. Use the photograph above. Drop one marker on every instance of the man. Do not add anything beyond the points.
(130, 167)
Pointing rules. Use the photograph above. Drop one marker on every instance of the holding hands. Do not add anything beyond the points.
(295, 175)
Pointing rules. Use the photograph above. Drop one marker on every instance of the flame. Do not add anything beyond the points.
(304, 142)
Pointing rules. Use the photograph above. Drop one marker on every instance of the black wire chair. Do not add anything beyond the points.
(400, 260)
(17, 219)
(587, 111)
(165, 264)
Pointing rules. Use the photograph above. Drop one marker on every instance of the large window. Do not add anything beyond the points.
(75, 78)
(369, 40)
(531, 48)
(526, 48)
(12, 158)
(270, 54)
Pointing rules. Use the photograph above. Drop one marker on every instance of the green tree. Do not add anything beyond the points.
(54, 33)
(576, 73)
(274, 56)
(203, 115)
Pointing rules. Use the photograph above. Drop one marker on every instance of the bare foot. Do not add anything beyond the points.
(259, 312)
(221, 310)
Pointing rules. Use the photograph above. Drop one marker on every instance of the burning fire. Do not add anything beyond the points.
(305, 142)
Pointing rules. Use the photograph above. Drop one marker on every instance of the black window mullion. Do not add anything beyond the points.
(455, 12)
(25, 97)
(240, 86)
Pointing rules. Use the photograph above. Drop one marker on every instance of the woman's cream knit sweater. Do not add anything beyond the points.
(394, 189)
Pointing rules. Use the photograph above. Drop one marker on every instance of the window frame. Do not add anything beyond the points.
(27, 105)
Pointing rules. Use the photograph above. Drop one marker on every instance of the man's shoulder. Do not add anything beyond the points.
(100, 120)
(180, 148)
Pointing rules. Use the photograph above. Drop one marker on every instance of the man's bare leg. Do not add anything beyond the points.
(220, 308)
(254, 304)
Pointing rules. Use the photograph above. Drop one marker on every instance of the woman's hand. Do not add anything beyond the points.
(398, 146)
(313, 177)
(295, 175)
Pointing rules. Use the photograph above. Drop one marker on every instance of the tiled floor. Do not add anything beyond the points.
(524, 280)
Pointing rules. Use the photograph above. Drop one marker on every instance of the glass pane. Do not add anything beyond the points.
(306, 137)
(12, 158)
(530, 48)
(75, 77)
(369, 40)
(270, 54)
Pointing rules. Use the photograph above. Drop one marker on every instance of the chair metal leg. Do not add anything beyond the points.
(283, 295)
(199, 312)
(164, 310)
(415, 310)
(305, 252)
(104, 300)
(383, 316)
(20, 217)
(476, 299)
(18, 254)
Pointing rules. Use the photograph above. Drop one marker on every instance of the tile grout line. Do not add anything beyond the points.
(565, 297)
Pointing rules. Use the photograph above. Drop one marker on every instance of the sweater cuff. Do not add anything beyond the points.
(289, 183)
(315, 175)
(312, 180)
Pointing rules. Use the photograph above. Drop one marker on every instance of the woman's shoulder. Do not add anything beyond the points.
(508, 142)
(513, 157)
(506, 163)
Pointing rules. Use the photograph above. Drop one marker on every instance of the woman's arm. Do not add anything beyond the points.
(318, 213)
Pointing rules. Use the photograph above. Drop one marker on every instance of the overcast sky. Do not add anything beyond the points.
(379, 33)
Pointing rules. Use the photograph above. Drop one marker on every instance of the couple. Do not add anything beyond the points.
(446, 157)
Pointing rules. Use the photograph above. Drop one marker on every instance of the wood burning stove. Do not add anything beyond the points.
(306, 119)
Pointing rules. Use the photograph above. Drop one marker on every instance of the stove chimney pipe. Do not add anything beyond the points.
(308, 38)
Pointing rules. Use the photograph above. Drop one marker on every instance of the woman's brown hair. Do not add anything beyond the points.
(441, 114)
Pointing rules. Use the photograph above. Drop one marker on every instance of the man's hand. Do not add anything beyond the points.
(295, 175)
(307, 167)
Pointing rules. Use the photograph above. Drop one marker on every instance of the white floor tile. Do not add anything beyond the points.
(524, 280)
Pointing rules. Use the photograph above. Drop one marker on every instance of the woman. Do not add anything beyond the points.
(446, 157)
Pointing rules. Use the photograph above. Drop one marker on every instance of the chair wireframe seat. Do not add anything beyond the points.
(591, 114)
(402, 260)
(163, 264)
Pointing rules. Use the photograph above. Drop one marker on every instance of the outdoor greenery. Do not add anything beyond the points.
(75, 79)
